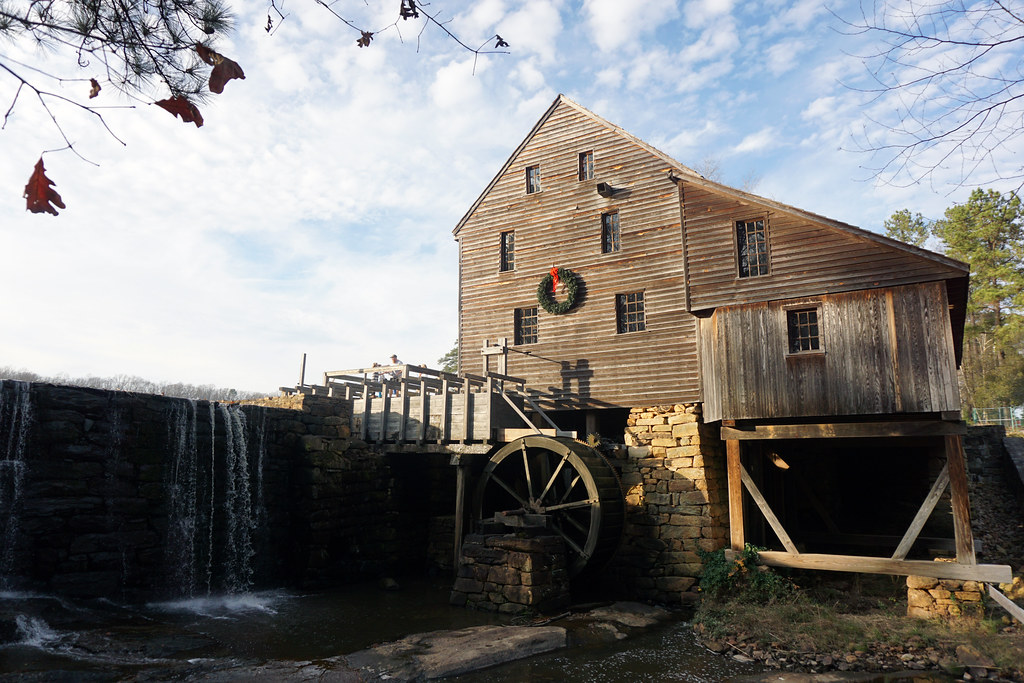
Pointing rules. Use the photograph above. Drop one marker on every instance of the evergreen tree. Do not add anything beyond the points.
(988, 233)
(907, 227)
(449, 362)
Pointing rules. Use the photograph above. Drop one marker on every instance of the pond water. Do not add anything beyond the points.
(44, 638)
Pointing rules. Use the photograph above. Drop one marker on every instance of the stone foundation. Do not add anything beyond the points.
(676, 502)
(512, 574)
(928, 598)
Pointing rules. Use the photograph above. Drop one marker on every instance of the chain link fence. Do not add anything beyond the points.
(1011, 417)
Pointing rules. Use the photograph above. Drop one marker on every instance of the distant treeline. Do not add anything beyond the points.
(137, 384)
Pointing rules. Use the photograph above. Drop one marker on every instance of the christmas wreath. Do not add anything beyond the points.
(549, 284)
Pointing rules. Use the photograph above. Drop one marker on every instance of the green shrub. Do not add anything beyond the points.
(742, 579)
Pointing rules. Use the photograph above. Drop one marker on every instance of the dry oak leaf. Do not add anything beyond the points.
(94, 88)
(38, 193)
(179, 106)
(224, 69)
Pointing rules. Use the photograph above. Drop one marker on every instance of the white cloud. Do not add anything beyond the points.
(615, 24)
(766, 138)
(782, 57)
(701, 13)
(534, 29)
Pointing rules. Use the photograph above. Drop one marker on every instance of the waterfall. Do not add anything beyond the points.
(15, 419)
(215, 500)
(180, 550)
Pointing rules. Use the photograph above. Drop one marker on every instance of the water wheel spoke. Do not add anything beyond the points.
(572, 484)
(526, 468)
(554, 476)
(501, 482)
(575, 505)
(570, 542)
(580, 526)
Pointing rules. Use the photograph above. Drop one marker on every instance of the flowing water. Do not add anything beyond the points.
(46, 638)
(15, 421)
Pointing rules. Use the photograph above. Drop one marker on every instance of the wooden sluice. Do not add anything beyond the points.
(412, 404)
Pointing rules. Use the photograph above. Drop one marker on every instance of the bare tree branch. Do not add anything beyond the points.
(948, 94)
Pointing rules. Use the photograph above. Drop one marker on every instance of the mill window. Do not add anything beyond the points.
(629, 312)
(752, 247)
(586, 170)
(804, 331)
(532, 179)
(508, 251)
(610, 232)
(526, 325)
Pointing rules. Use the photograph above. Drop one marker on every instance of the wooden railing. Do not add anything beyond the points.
(416, 404)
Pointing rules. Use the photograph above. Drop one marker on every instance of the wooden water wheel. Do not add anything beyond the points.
(571, 484)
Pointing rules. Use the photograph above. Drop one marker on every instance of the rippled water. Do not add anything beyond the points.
(45, 638)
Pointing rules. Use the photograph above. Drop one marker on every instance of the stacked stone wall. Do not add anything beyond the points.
(929, 598)
(512, 574)
(104, 497)
(674, 479)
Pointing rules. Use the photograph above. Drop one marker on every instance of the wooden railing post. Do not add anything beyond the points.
(735, 476)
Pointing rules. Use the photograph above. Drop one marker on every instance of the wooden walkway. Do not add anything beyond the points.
(412, 404)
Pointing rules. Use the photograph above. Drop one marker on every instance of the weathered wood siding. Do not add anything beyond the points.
(886, 350)
(581, 351)
(806, 257)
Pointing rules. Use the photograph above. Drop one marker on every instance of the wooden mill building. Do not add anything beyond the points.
(809, 343)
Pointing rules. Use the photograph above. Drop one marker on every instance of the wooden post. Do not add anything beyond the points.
(460, 508)
(424, 412)
(302, 371)
(503, 364)
(735, 473)
(444, 433)
(961, 504)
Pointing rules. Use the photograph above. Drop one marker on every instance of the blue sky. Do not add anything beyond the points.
(313, 211)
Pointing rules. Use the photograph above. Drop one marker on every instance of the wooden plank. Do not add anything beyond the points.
(512, 433)
(1010, 606)
(766, 510)
(385, 410)
(532, 427)
(445, 432)
(488, 408)
(424, 412)
(961, 504)
(735, 478)
(845, 430)
(988, 573)
(467, 414)
(938, 488)
(460, 511)
(364, 428)
(403, 412)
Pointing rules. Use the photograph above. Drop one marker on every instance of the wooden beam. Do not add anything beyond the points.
(520, 413)
(734, 467)
(938, 488)
(424, 412)
(467, 412)
(961, 505)
(385, 409)
(766, 510)
(364, 429)
(460, 511)
(445, 433)
(987, 573)
(1009, 605)
(845, 430)
(403, 397)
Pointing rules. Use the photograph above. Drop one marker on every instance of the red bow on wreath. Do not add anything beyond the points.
(554, 279)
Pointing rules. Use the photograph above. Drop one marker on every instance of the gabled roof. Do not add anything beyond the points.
(682, 173)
